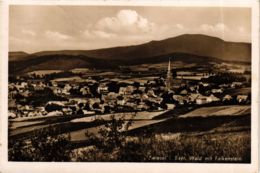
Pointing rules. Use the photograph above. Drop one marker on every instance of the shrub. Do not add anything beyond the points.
(44, 145)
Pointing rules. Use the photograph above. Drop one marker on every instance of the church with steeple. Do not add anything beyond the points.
(169, 78)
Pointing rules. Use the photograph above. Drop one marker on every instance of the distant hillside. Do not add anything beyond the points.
(200, 45)
(183, 47)
(16, 56)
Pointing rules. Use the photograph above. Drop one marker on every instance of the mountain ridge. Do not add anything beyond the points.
(196, 45)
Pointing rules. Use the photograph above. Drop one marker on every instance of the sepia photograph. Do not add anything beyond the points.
(130, 84)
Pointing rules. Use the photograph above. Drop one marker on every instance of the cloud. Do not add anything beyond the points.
(92, 34)
(87, 33)
(103, 34)
(125, 25)
(54, 35)
(206, 27)
(219, 27)
(179, 26)
(28, 32)
(129, 27)
(127, 21)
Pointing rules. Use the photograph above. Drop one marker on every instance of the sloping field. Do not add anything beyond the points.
(234, 110)
(234, 92)
(79, 135)
(74, 78)
(145, 115)
(15, 125)
(44, 72)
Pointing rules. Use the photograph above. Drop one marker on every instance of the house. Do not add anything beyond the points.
(93, 100)
(60, 103)
(227, 97)
(67, 87)
(11, 104)
(111, 96)
(11, 115)
(85, 112)
(194, 96)
(102, 89)
(55, 113)
(126, 90)
(78, 100)
(67, 111)
(25, 93)
(170, 106)
(144, 97)
(217, 90)
(84, 90)
(142, 106)
(181, 99)
(137, 96)
(201, 100)
(39, 88)
(130, 104)
(192, 88)
(204, 84)
(184, 92)
(34, 114)
(150, 93)
(56, 90)
(151, 82)
(155, 99)
(23, 84)
(54, 83)
(142, 89)
(121, 102)
(212, 98)
(236, 84)
(65, 92)
(242, 98)
(122, 90)
(28, 108)
(206, 99)
(224, 86)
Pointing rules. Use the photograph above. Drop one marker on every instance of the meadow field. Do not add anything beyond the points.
(219, 134)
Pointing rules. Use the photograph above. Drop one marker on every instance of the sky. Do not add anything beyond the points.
(34, 28)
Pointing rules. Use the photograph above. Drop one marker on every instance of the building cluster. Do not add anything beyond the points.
(36, 97)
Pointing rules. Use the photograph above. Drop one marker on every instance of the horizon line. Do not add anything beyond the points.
(128, 45)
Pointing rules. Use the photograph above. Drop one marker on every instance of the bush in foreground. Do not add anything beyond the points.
(219, 147)
(113, 144)
(44, 145)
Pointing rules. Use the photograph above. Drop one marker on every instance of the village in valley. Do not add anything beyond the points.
(93, 92)
(114, 83)
(162, 99)
(143, 86)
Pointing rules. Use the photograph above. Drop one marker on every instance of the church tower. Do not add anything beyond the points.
(169, 78)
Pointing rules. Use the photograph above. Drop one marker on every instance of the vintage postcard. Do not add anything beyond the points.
(130, 86)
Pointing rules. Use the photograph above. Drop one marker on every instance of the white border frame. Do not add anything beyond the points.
(43, 167)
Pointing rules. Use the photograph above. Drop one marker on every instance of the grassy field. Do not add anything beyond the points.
(227, 141)
(77, 124)
(233, 110)
(230, 147)
(234, 92)
(144, 115)
(45, 72)
(219, 134)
